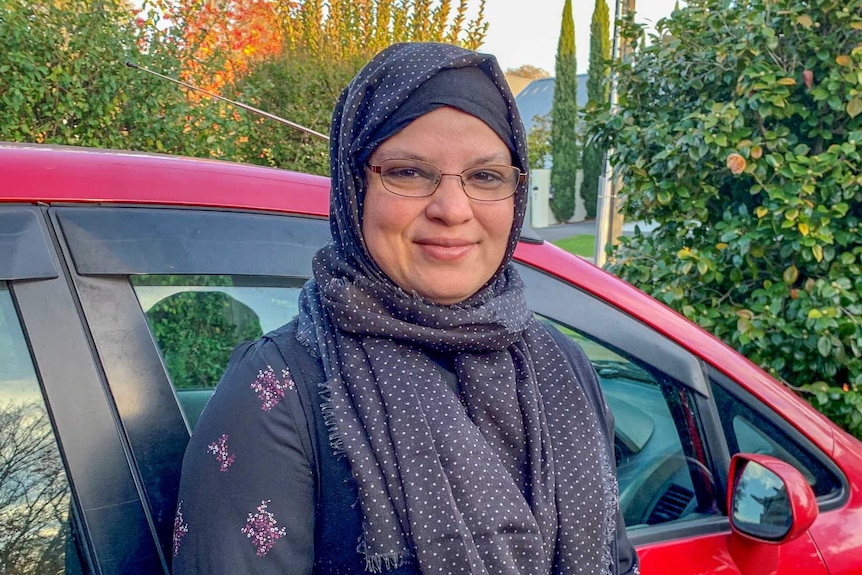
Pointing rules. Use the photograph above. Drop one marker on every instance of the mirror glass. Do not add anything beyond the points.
(761, 506)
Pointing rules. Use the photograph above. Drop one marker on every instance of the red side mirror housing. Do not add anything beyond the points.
(769, 500)
(769, 503)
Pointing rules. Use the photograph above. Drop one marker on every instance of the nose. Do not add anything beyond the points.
(449, 204)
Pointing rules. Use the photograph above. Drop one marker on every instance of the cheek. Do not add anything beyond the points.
(499, 224)
(384, 222)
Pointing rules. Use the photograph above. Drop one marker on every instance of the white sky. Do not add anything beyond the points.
(527, 31)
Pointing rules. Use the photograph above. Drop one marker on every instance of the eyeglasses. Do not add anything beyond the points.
(415, 179)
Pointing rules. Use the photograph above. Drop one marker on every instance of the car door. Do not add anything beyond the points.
(678, 421)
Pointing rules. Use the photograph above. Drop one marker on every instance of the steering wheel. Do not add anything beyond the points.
(654, 482)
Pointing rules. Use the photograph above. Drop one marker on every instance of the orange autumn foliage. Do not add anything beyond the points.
(227, 36)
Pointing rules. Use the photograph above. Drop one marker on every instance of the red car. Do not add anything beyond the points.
(126, 279)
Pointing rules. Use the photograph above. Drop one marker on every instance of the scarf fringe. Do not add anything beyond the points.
(336, 443)
(611, 504)
(386, 561)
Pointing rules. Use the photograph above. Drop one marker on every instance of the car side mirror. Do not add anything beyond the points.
(769, 504)
(769, 500)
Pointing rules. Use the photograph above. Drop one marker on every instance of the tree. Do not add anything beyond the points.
(528, 71)
(739, 132)
(222, 38)
(63, 80)
(344, 30)
(34, 495)
(539, 142)
(597, 98)
(564, 114)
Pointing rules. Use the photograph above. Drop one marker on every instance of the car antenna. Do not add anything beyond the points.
(229, 101)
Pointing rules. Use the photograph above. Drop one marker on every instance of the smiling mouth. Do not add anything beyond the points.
(446, 250)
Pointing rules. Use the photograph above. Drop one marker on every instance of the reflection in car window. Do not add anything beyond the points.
(197, 321)
(662, 477)
(34, 492)
(748, 431)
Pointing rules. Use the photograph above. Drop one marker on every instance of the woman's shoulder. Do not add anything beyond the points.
(261, 379)
(272, 352)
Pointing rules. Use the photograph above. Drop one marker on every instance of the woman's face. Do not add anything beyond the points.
(444, 246)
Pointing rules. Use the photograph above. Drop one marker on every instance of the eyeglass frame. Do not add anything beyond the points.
(378, 169)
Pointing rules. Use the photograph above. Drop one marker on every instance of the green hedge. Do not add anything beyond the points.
(739, 133)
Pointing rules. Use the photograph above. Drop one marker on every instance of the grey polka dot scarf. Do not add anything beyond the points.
(501, 478)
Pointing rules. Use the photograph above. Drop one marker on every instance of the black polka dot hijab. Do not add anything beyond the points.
(505, 472)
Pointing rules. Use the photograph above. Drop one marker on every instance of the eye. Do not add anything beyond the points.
(402, 172)
(487, 177)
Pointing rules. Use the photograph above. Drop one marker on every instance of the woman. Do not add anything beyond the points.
(415, 417)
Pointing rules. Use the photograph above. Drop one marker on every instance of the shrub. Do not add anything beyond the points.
(739, 132)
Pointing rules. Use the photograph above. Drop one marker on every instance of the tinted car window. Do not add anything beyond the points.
(748, 430)
(197, 321)
(659, 473)
(34, 492)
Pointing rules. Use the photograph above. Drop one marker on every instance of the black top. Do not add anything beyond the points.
(261, 490)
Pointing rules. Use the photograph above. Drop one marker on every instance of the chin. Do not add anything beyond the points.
(450, 297)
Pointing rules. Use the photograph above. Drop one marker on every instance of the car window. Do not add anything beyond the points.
(35, 533)
(198, 320)
(749, 430)
(662, 475)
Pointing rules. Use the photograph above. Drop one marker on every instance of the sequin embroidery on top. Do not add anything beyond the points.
(269, 388)
(181, 528)
(219, 449)
(263, 529)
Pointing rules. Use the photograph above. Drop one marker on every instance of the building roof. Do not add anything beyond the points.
(517, 83)
(538, 97)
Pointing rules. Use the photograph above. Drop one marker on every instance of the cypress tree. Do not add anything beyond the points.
(597, 95)
(564, 115)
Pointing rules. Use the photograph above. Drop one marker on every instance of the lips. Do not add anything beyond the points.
(446, 249)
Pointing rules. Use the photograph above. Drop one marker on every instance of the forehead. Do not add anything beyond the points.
(444, 132)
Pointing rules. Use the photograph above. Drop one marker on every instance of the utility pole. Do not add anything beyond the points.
(609, 222)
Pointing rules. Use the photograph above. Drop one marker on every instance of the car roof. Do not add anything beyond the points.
(93, 176)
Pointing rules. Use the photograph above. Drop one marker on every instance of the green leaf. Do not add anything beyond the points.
(824, 345)
(817, 252)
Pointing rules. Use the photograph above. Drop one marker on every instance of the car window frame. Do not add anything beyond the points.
(108, 514)
(148, 409)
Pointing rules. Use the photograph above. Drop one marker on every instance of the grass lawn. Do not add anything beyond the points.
(581, 244)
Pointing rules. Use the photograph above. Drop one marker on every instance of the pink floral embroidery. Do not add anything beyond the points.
(180, 528)
(219, 449)
(268, 387)
(262, 529)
